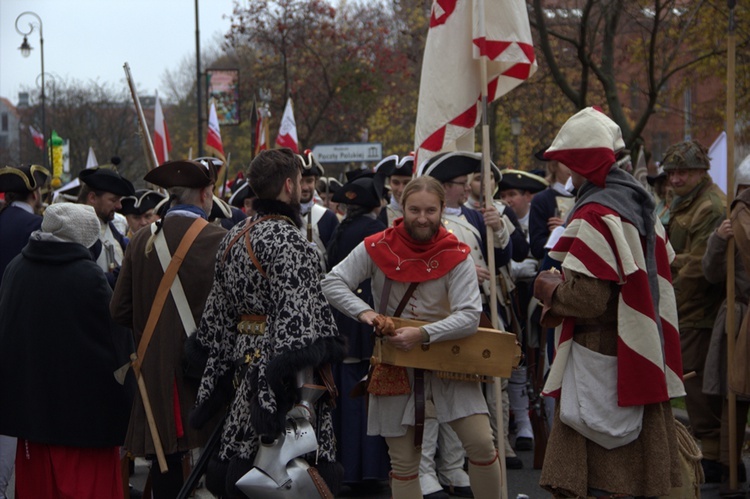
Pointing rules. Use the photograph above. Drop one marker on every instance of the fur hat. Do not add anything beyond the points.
(587, 144)
(72, 222)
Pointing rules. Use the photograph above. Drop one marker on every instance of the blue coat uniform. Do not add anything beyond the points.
(364, 457)
(543, 206)
(16, 225)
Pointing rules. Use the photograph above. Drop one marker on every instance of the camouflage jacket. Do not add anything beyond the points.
(692, 220)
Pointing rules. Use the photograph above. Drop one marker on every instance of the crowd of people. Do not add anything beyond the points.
(153, 322)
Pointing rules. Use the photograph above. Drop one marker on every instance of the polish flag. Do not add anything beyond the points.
(37, 136)
(288, 129)
(162, 145)
(461, 34)
(213, 139)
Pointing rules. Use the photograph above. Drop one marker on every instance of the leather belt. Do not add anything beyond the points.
(252, 324)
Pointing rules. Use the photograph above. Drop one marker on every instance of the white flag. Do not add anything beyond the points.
(450, 88)
(718, 155)
(91, 159)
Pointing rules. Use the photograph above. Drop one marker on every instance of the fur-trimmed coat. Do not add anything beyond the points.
(300, 332)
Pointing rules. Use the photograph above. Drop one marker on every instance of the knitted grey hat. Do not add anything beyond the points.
(72, 222)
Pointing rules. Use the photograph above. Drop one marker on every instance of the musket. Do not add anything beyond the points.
(148, 145)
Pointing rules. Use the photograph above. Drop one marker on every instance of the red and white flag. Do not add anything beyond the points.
(213, 139)
(162, 145)
(450, 87)
(37, 137)
(261, 126)
(288, 129)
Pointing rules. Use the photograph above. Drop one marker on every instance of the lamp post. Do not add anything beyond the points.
(25, 49)
(515, 130)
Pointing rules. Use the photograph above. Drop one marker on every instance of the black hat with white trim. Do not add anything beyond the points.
(24, 178)
(141, 202)
(242, 191)
(448, 165)
(310, 165)
(330, 184)
(522, 181)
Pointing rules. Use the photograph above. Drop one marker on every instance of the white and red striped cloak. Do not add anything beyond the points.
(598, 243)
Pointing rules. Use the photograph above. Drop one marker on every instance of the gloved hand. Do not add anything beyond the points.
(544, 289)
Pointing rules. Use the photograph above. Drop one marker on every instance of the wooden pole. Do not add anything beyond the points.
(487, 194)
(730, 324)
(158, 448)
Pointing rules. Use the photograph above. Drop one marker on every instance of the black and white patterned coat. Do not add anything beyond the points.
(300, 332)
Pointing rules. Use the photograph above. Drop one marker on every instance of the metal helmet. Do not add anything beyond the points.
(688, 155)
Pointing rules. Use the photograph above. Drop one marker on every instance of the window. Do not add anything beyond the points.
(4, 122)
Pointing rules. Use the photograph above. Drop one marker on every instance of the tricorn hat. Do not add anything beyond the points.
(522, 181)
(330, 184)
(540, 153)
(141, 202)
(107, 180)
(660, 173)
(392, 165)
(364, 190)
(449, 165)
(242, 191)
(24, 178)
(183, 173)
(310, 165)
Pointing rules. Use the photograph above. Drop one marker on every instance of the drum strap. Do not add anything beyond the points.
(418, 373)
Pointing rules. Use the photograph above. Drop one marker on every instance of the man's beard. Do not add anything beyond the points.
(421, 234)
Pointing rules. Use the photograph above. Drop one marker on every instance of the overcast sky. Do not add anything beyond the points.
(92, 39)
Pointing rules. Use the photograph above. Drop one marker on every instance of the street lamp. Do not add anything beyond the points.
(515, 130)
(25, 49)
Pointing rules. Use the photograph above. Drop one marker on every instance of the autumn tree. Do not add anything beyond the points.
(338, 64)
(629, 56)
(92, 114)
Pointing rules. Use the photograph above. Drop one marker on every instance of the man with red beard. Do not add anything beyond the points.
(424, 273)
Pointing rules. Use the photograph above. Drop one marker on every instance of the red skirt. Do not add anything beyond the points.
(57, 472)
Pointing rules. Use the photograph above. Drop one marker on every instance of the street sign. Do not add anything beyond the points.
(345, 153)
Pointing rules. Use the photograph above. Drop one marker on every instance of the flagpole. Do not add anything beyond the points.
(730, 324)
(487, 193)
